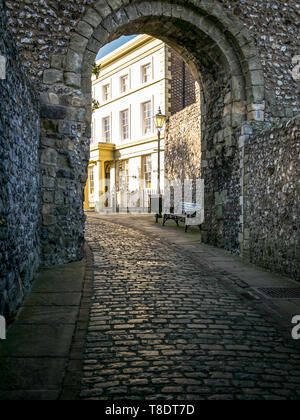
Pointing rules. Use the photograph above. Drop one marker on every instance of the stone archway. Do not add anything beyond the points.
(223, 58)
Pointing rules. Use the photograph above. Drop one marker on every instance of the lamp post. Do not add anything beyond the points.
(160, 120)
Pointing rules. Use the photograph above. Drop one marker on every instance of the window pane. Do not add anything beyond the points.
(106, 129)
(106, 92)
(124, 84)
(91, 181)
(147, 117)
(125, 124)
(94, 132)
(146, 73)
(147, 171)
(124, 175)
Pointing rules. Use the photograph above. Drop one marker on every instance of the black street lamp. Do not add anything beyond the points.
(160, 120)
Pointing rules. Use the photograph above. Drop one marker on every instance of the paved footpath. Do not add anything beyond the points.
(162, 327)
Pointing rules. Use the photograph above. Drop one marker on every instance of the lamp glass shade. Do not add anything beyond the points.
(160, 119)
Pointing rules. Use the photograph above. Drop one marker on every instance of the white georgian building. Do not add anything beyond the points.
(134, 81)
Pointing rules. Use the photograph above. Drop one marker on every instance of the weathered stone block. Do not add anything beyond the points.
(79, 43)
(48, 182)
(256, 94)
(73, 61)
(92, 17)
(48, 197)
(84, 29)
(53, 112)
(256, 107)
(49, 220)
(230, 141)
(49, 157)
(102, 8)
(256, 116)
(59, 197)
(81, 115)
(64, 127)
(238, 120)
(101, 34)
(53, 98)
(57, 61)
(49, 126)
(220, 212)
(94, 45)
(47, 209)
(239, 107)
(52, 76)
(73, 79)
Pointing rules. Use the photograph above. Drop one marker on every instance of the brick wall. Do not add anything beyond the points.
(182, 85)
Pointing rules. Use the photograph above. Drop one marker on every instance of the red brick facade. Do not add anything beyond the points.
(182, 85)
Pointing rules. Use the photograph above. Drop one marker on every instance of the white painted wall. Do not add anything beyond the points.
(113, 67)
(154, 90)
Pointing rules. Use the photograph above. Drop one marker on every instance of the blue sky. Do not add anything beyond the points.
(108, 48)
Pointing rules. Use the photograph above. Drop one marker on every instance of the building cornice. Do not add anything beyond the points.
(145, 86)
(137, 143)
(125, 65)
(124, 50)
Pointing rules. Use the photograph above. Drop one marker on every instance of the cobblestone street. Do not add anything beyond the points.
(162, 328)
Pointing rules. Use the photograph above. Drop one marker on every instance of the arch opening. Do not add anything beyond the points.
(223, 61)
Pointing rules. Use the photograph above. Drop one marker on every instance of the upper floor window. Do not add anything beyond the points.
(124, 81)
(146, 73)
(106, 92)
(147, 117)
(125, 124)
(94, 132)
(106, 130)
(147, 170)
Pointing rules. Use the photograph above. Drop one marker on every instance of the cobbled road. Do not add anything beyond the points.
(161, 328)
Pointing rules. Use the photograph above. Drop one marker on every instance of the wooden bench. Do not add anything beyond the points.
(190, 215)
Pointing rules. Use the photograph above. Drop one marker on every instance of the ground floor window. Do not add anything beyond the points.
(147, 171)
(91, 180)
(147, 118)
(124, 175)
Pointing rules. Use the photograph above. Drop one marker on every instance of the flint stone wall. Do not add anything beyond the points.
(245, 65)
(183, 144)
(58, 42)
(43, 28)
(19, 178)
(272, 199)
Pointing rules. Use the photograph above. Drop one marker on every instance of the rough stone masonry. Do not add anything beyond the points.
(272, 197)
(19, 178)
(241, 53)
